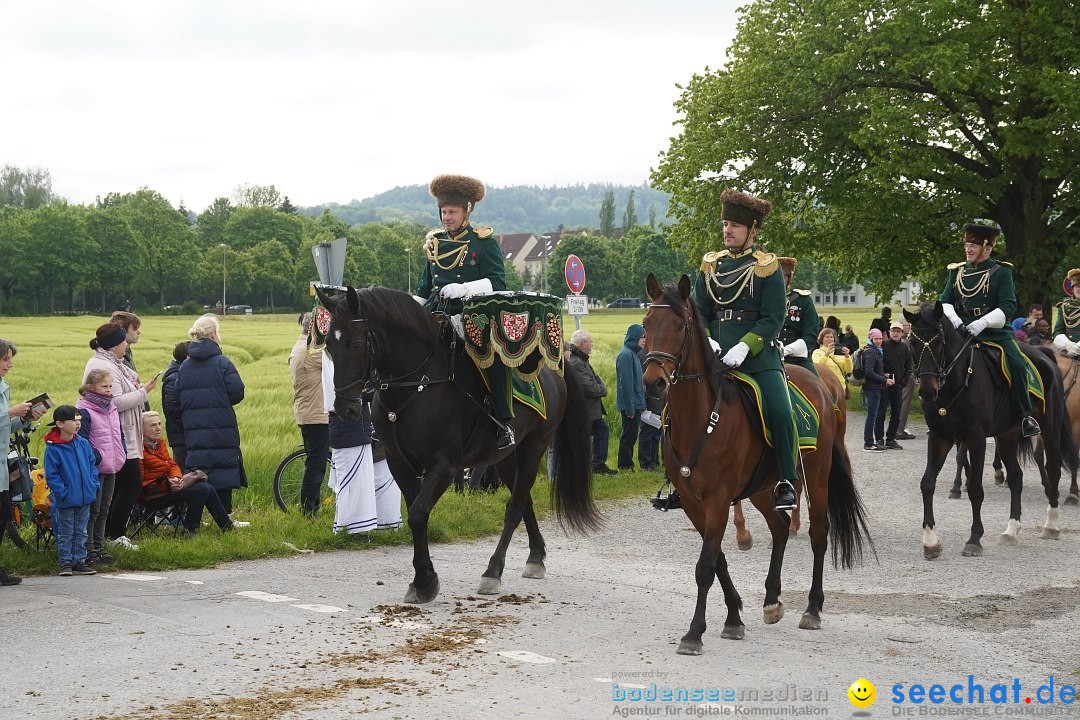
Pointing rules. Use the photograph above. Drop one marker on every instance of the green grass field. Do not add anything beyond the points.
(52, 353)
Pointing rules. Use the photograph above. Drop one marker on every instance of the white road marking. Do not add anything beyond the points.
(194, 582)
(266, 597)
(526, 656)
(395, 622)
(314, 607)
(133, 576)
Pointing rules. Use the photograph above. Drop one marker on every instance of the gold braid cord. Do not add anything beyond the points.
(980, 278)
(1070, 313)
(456, 253)
(764, 265)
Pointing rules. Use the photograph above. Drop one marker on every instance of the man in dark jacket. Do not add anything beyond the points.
(648, 449)
(629, 392)
(581, 345)
(896, 356)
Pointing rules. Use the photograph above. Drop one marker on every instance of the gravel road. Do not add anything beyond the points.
(329, 638)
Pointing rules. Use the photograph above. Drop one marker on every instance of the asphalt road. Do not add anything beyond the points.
(326, 636)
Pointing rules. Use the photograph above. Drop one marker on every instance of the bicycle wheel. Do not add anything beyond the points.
(20, 526)
(288, 480)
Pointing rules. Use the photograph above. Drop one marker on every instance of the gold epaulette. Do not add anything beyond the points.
(483, 233)
(708, 261)
(804, 293)
(955, 266)
(767, 263)
(1005, 263)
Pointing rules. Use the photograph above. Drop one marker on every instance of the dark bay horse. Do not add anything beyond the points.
(712, 451)
(429, 413)
(965, 401)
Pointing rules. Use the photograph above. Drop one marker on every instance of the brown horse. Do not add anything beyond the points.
(1070, 374)
(711, 469)
(743, 537)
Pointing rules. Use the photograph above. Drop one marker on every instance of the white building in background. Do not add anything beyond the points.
(857, 296)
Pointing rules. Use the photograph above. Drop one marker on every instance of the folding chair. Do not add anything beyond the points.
(156, 513)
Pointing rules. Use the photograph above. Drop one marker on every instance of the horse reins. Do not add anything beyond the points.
(943, 374)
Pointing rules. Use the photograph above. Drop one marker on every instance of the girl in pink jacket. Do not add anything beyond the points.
(101, 426)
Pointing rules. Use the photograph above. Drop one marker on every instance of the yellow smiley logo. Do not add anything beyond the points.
(862, 693)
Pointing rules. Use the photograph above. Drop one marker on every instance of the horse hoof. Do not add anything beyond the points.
(423, 595)
(1072, 499)
(999, 477)
(1050, 534)
(734, 632)
(773, 613)
(745, 545)
(534, 570)
(931, 552)
(809, 622)
(972, 550)
(792, 534)
(1007, 539)
(954, 495)
(690, 647)
(489, 586)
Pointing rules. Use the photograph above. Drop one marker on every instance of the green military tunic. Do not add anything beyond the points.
(741, 298)
(977, 289)
(802, 322)
(1068, 319)
(472, 254)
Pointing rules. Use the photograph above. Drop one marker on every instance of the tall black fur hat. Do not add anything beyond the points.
(984, 229)
(457, 190)
(744, 208)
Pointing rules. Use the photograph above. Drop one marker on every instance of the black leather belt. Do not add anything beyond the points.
(737, 315)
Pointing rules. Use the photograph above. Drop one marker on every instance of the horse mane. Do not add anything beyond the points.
(716, 370)
(397, 310)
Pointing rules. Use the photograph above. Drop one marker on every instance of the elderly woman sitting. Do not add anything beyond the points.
(161, 474)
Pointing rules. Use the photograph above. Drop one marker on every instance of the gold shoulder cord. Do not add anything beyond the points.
(980, 278)
(1070, 313)
(739, 277)
(456, 255)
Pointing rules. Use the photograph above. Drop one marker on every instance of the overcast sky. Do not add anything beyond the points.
(334, 101)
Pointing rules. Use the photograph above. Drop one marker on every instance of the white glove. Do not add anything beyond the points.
(795, 349)
(950, 312)
(1061, 342)
(976, 326)
(1073, 349)
(453, 291)
(735, 356)
(429, 241)
(419, 299)
(995, 318)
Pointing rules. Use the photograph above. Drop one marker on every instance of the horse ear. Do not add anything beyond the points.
(354, 301)
(684, 286)
(910, 316)
(652, 287)
(326, 300)
(938, 310)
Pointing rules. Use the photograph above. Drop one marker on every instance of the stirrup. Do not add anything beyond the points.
(505, 437)
(784, 497)
(1029, 427)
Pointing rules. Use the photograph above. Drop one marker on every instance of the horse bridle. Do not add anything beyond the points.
(941, 370)
(659, 358)
(369, 376)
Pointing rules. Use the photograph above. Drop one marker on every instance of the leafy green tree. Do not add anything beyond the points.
(820, 276)
(29, 189)
(652, 216)
(607, 215)
(513, 280)
(219, 264)
(602, 267)
(16, 249)
(272, 268)
(527, 279)
(649, 252)
(881, 127)
(211, 223)
(63, 249)
(252, 196)
(249, 226)
(629, 218)
(167, 255)
(112, 234)
(287, 207)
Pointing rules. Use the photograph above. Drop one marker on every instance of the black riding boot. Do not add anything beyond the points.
(1028, 427)
(505, 437)
(784, 495)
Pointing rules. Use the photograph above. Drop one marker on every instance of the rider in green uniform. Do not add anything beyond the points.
(980, 295)
(463, 260)
(1067, 326)
(741, 298)
(801, 325)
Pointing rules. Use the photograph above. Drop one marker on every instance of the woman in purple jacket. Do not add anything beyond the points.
(101, 426)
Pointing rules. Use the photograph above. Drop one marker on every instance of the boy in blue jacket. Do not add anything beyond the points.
(71, 474)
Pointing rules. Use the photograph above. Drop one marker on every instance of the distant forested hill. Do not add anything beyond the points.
(521, 208)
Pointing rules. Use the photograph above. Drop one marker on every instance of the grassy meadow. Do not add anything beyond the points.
(52, 353)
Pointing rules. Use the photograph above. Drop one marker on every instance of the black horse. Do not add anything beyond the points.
(430, 414)
(965, 401)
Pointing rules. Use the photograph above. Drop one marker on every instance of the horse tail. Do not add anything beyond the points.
(571, 483)
(848, 533)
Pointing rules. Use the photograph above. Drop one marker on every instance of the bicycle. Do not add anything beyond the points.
(18, 502)
(289, 479)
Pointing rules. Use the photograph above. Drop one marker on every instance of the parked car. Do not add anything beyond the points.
(626, 303)
(244, 309)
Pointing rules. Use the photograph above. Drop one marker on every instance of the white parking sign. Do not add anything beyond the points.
(577, 305)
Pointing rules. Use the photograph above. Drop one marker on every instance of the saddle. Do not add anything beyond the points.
(994, 354)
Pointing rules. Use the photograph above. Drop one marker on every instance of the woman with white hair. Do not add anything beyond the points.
(208, 387)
